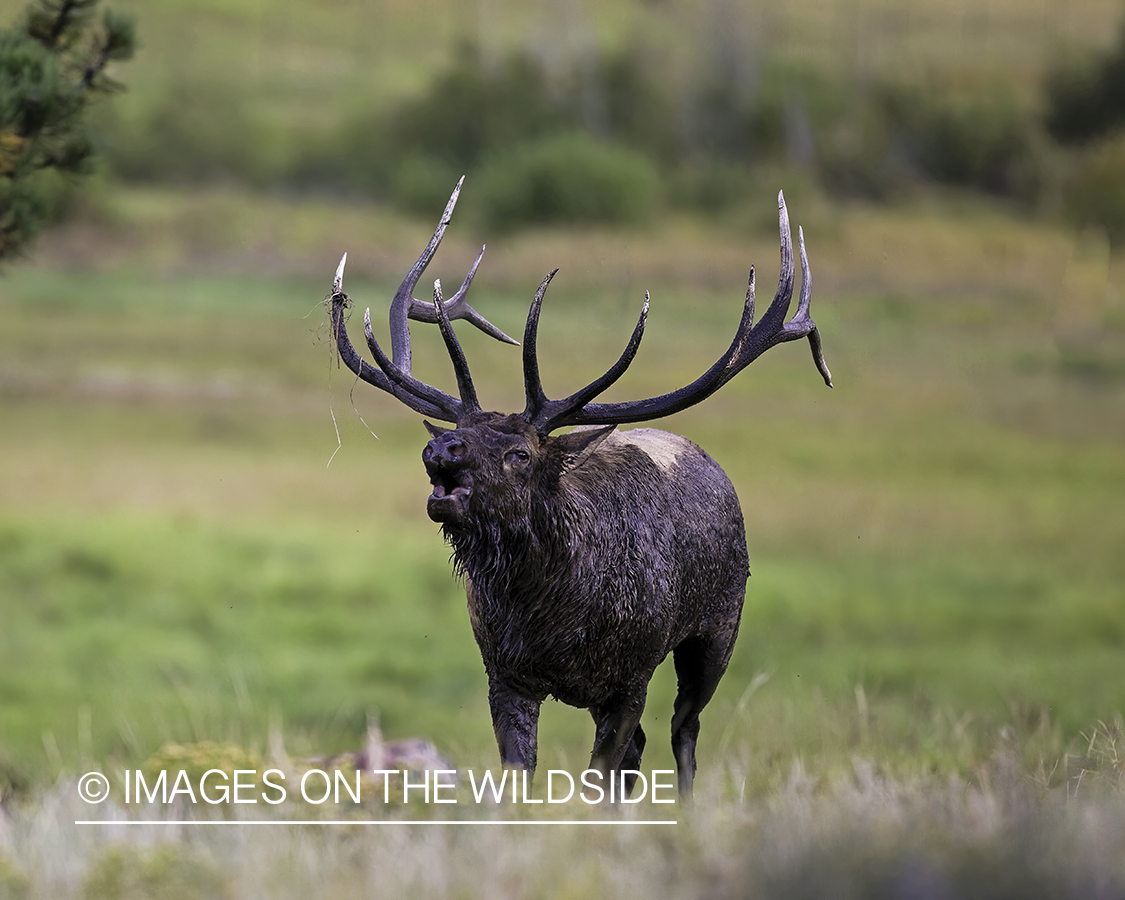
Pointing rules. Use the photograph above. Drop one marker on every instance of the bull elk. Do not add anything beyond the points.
(587, 556)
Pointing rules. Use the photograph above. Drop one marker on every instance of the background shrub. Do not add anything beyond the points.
(1085, 99)
(193, 132)
(860, 157)
(422, 184)
(630, 103)
(709, 185)
(568, 178)
(1096, 196)
(973, 136)
(473, 109)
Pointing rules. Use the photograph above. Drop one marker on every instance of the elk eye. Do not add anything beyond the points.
(517, 456)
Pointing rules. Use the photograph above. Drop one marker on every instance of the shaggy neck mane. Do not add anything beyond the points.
(524, 554)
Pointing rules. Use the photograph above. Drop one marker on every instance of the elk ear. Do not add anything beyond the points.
(435, 430)
(579, 445)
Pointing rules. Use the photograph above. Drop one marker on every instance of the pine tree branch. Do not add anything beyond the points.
(62, 22)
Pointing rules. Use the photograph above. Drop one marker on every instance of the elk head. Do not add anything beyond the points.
(507, 453)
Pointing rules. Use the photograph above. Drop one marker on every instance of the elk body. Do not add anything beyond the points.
(588, 556)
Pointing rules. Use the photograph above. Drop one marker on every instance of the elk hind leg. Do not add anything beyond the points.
(700, 663)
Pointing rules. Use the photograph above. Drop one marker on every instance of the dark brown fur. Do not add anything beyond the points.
(586, 564)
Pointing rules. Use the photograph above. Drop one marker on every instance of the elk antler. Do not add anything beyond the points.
(393, 375)
(750, 342)
(539, 408)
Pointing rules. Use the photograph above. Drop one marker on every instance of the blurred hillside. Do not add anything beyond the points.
(608, 112)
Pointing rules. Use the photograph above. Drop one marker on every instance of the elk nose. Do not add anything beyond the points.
(446, 451)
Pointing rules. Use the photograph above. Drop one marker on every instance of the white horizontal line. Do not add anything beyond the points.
(376, 822)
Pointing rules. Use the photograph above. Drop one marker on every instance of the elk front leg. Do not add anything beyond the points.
(515, 721)
(619, 739)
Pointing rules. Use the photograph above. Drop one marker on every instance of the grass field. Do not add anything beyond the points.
(210, 533)
(936, 588)
(938, 533)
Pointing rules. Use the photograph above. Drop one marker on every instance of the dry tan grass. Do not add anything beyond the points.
(857, 834)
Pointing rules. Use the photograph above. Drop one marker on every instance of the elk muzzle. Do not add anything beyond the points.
(448, 462)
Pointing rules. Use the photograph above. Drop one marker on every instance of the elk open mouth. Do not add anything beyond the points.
(449, 500)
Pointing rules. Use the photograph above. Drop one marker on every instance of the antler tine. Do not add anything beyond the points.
(338, 281)
(363, 370)
(554, 412)
(806, 277)
(457, 355)
(750, 342)
(449, 407)
(774, 316)
(532, 385)
(457, 307)
(404, 296)
(405, 306)
(749, 302)
(393, 374)
(803, 313)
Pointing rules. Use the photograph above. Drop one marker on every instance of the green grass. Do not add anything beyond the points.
(933, 627)
(178, 561)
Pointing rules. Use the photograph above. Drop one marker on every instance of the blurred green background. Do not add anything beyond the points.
(208, 530)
